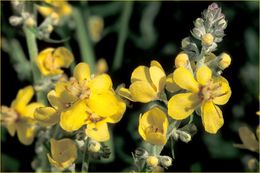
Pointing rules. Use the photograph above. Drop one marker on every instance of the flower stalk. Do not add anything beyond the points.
(124, 23)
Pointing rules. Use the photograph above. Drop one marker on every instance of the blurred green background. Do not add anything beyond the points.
(155, 32)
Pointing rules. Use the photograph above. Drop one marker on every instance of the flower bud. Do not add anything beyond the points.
(152, 161)
(94, 146)
(157, 169)
(15, 20)
(181, 60)
(141, 153)
(199, 22)
(207, 39)
(165, 161)
(49, 28)
(184, 136)
(30, 22)
(225, 61)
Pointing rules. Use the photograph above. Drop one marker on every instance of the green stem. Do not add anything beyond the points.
(85, 159)
(33, 53)
(86, 49)
(124, 21)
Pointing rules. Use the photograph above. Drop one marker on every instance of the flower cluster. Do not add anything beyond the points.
(75, 122)
(196, 85)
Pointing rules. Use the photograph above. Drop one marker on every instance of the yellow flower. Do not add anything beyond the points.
(60, 8)
(153, 126)
(147, 83)
(205, 93)
(19, 117)
(63, 153)
(50, 61)
(84, 100)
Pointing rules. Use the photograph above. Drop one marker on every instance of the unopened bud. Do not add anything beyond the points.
(141, 153)
(181, 60)
(49, 28)
(222, 23)
(225, 61)
(30, 22)
(94, 146)
(165, 161)
(207, 39)
(152, 161)
(199, 22)
(184, 136)
(15, 20)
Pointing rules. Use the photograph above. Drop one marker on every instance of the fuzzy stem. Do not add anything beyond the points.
(33, 53)
(86, 49)
(124, 21)
(85, 159)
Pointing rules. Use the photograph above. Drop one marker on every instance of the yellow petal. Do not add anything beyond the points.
(141, 129)
(46, 116)
(156, 138)
(23, 98)
(142, 92)
(224, 92)
(28, 112)
(63, 153)
(203, 75)
(171, 86)
(74, 117)
(153, 126)
(41, 59)
(61, 98)
(63, 57)
(25, 132)
(184, 79)
(141, 73)
(124, 92)
(11, 129)
(120, 111)
(104, 104)
(100, 82)
(45, 11)
(99, 134)
(212, 118)
(157, 64)
(82, 72)
(180, 106)
(158, 77)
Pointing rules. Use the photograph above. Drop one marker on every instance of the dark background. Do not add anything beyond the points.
(173, 22)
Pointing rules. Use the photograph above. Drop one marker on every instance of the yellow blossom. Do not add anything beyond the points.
(153, 126)
(147, 83)
(19, 117)
(84, 100)
(50, 61)
(205, 93)
(60, 8)
(207, 39)
(63, 153)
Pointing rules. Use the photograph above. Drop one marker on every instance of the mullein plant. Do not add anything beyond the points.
(72, 115)
(196, 86)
